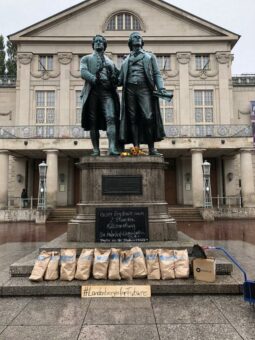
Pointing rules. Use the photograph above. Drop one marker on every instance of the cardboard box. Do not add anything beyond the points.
(204, 269)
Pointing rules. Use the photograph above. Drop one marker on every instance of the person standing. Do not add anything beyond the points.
(141, 121)
(24, 198)
(100, 100)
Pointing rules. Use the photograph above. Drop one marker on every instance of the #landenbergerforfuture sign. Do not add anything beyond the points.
(125, 291)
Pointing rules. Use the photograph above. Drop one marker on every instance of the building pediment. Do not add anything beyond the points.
(159, 19)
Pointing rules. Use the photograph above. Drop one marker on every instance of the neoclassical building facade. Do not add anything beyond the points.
(208, 119)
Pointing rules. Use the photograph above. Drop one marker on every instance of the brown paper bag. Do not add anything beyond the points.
(140, 269)
(181, 267)
(68, 264)
(152, 261)
(40, 266)
(114, 265)
(52, 272)
(126, 265)
(84, 264)
(101, 263)
(204, 269)
(166, 264)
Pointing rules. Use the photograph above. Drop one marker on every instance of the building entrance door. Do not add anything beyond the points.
(170, 182)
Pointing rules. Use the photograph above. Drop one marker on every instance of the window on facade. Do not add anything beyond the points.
(45, 63)
(124, 22)
(204, 106)
(78, 107)
(202, 62)
(167, 111)
(45, 113)
(164, 62)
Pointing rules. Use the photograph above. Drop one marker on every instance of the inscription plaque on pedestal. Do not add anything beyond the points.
(122, 185)
(122, 224)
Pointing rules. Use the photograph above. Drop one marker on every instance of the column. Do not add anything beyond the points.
(64, 94)
(224, 63)
(184, 104)
(52, 177)
(197, 177)
(248, 193)
(4, 171)
(23, 93)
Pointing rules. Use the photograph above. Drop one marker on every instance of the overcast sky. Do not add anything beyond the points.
(234, 15)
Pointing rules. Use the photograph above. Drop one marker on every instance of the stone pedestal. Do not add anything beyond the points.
(152, 196)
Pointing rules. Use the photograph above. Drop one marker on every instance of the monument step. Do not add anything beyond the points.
(185, 214)
(24, 266)
(184, 242)
(63, 215)
(225, 284)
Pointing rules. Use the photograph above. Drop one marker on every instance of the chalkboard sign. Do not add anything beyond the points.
(122, 225)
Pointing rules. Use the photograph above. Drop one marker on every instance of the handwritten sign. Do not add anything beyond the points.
(122, 224)
(125, 291)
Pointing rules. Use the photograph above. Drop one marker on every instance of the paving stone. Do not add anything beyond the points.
(40, 333)
(53, 311)
(118, 302)
(198, 332)
(2, 328)
(119, 314)
(10, 308)
(247, 330)
(4, 276)
(119, 332)
(188, 309)
(236, 310)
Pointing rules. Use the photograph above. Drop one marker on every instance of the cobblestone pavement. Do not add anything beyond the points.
(207, 317)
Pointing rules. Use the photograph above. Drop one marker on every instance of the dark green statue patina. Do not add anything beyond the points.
(141, 121)
(100, 101)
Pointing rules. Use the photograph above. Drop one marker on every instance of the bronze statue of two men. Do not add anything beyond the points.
(138, 121)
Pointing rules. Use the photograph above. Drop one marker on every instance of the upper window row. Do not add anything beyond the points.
(203, 108)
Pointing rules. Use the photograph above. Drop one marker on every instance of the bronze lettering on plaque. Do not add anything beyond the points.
(122, 185)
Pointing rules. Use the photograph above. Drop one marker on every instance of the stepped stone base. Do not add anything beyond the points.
(18, 283)
(225, 284)
(24, 266)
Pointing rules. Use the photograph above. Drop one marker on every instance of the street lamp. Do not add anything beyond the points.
(42, 194)
(206, 166)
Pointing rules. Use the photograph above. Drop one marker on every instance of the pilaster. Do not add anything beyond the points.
(197, 177)
(224, 63)
(52, 177)
(23, 108)
(64, 104)
(248, 193)
(4, 171)
(183, 60)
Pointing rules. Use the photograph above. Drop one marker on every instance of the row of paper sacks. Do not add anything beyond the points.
(112, 264)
